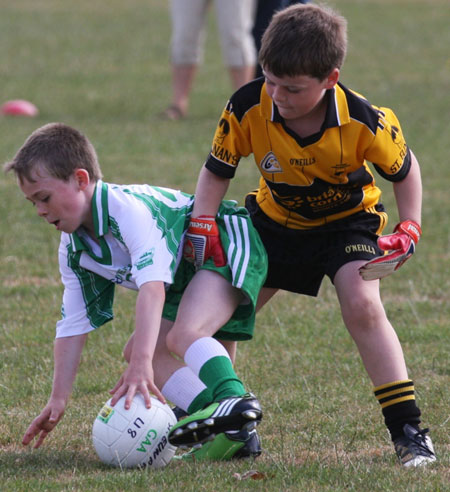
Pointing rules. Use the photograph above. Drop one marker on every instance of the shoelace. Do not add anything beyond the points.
(419, 443)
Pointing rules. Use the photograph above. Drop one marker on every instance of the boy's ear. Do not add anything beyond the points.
(82, 178)
(332, 78)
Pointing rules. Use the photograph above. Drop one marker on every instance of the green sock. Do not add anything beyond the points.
(200, 401)
(219, 377)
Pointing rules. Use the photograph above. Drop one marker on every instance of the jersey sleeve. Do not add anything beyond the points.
(388, 152)
(87, 298)
(231, 142)
(152, 238)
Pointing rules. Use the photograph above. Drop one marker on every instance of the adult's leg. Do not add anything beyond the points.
(264, 12)
(235, 21)
(188, 18)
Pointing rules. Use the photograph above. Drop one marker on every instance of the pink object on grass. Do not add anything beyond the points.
(19, 107)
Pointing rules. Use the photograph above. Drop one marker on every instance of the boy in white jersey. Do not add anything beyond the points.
(132, 236)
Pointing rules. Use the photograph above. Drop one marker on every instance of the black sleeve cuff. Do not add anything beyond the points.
(219, 168)
(400, 175)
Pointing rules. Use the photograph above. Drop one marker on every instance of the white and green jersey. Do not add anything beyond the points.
(139, 231)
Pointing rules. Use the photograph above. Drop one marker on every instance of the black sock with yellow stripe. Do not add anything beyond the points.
(398, 405)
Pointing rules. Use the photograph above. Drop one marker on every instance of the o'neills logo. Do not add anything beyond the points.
(309, 161)
(353, 248)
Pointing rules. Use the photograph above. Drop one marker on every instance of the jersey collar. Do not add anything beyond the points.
(100, 216)
(100, 208)
(337, 110)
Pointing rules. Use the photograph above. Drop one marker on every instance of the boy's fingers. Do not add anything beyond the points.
(130, 395)
(42, 436)
(117, 394)
(116, 386)
(53, 419)
(28, 437)
(158, 394)
(32, 431)
(147, 398)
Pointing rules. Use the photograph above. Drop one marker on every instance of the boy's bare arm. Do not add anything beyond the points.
(408, 194)
(138, 376)
(67, 353)
(209, 193)
(202, 239)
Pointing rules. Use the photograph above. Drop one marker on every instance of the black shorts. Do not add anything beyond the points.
(299, 259)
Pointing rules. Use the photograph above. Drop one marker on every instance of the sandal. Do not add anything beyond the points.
(172, 113)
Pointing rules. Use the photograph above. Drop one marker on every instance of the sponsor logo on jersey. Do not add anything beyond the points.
(328, 200)
(270, 164)
(146, 259)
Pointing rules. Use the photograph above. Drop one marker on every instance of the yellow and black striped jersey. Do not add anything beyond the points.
(307, 182)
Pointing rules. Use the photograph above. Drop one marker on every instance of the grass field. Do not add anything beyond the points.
(102, 66)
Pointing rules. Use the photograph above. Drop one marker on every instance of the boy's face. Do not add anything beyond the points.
(297, 97)
(65, 204)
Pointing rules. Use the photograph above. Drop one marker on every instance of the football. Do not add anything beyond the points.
(136, 437)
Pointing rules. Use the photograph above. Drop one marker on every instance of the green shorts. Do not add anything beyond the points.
(246, 270)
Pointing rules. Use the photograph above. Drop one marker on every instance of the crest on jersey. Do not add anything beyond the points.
(270, 164)
(223, 129)
(339, 171)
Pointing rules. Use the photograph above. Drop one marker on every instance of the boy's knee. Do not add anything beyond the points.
(172, 342)
(363, 311)
(181, 336)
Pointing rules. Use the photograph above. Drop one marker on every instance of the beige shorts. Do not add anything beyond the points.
(234, 21)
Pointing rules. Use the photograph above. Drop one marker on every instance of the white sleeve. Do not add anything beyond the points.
(153, 252)
(74, 319)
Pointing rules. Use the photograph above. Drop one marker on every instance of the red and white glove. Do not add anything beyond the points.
(401, 244)
(202, 241)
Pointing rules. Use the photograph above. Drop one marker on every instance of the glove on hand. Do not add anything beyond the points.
(202, 241)
(402, 244)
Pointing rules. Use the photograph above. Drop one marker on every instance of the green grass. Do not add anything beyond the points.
(102, 66)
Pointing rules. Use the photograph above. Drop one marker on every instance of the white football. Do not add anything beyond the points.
(136, 437)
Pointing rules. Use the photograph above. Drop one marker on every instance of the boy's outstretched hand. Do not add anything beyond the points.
(44, 423)
(401, 244)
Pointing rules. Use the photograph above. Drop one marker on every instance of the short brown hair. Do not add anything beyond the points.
(59, 149)
(304, 40)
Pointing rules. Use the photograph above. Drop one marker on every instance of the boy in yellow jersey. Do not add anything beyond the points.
(317, 207)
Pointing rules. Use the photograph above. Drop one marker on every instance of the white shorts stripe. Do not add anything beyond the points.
(239, 246)
(246, 240)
